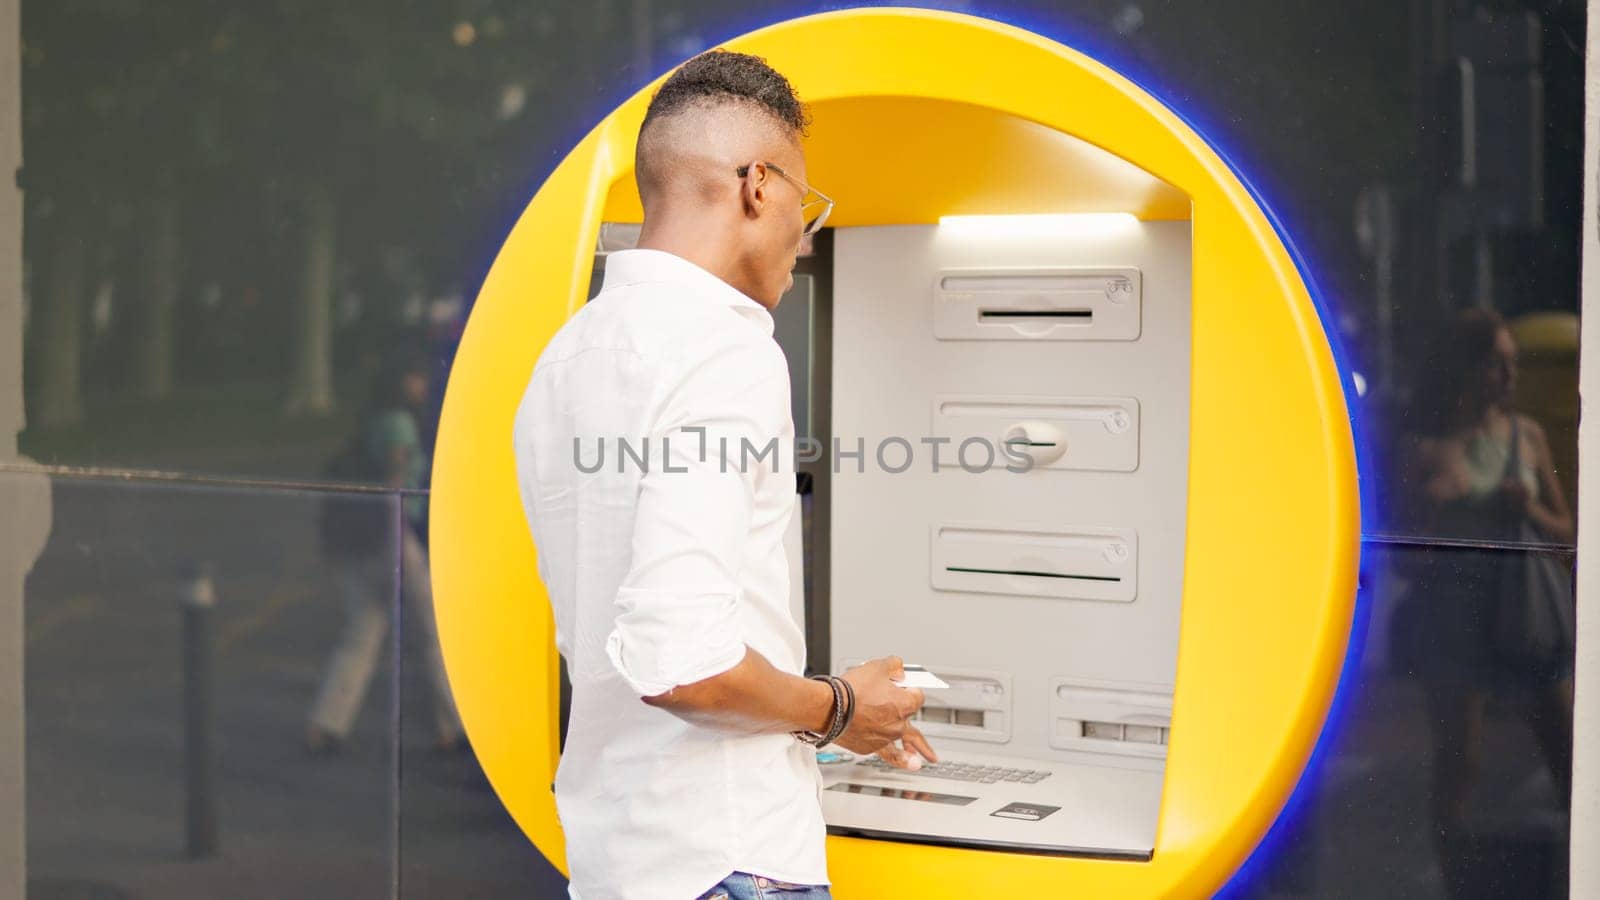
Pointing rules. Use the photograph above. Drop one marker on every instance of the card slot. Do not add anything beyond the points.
(1080, 315)
(1075, 564)
(1029, 574)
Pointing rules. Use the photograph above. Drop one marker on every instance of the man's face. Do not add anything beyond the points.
(777, 230)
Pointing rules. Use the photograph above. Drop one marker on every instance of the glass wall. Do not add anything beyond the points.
(253, 232)
(176, 636)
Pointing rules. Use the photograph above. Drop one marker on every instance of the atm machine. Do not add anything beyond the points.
(1039, 570)
(1076, 305)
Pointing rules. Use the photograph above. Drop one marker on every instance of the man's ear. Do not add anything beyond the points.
(753, 191)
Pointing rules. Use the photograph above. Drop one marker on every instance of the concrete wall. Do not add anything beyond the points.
(1586, 714)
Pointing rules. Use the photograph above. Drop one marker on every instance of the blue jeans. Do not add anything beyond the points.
(741, 886)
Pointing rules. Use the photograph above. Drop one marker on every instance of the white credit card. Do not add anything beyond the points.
(918, 677)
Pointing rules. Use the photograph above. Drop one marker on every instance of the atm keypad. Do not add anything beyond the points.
(974, 772)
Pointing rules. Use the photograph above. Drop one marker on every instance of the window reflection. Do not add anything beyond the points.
(173, 641)
(1484, 681)
(1488, 628)
(1474, 467)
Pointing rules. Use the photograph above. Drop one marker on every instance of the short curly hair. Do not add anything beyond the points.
(721, 75)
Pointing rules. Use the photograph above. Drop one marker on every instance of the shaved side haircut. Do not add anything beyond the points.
(710, 81)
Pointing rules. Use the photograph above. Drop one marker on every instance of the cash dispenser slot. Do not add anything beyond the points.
(1056, 304)
(1088, 564)
(1090, 434)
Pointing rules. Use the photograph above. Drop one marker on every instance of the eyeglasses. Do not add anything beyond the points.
(814, 204)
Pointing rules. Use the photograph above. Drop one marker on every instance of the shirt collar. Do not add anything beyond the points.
(625, 267)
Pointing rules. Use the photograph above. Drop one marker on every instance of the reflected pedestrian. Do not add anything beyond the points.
(356, 532)
(1478, 470)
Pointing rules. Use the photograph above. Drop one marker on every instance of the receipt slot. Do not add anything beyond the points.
(1064, 269)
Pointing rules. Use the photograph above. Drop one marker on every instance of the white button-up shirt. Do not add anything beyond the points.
(655, 455)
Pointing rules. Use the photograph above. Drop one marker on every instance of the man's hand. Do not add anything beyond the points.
(882, 711)
(913, 751)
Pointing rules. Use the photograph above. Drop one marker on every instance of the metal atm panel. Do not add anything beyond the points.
(1048, 593)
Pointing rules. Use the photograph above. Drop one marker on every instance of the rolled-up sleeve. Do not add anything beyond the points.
(678, 607)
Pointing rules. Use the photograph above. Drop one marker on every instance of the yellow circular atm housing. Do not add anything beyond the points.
(920, 116)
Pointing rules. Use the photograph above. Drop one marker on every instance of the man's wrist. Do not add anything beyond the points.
(819, 706)
(839, 720)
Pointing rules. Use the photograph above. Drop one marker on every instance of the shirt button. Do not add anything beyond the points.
(762, 882)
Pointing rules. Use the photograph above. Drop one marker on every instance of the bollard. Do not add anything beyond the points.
(200, 814)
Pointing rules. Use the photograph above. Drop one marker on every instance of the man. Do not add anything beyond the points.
(666, 568)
